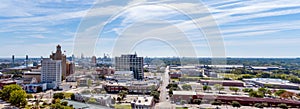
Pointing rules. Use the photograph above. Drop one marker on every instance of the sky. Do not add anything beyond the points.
(247, 28)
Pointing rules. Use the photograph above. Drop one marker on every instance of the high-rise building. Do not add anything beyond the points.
(130, 63)
(94, 61)
(26, 61)
(70, 68)
(51, 71)
(13, 61)
(58, 55)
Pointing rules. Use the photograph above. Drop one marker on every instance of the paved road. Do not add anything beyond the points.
(164, 103)
(165, 83)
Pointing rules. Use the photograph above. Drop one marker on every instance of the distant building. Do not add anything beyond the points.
(246, 101)
(272, 83)
(51, 71)
(223, 82)
(58, 55)
(94, 61)
(192, 72)
(105, 71)
(130, 63)
(265, 68)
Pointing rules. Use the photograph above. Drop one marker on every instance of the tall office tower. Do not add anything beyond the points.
(26, 61)
(51, 71)
(73, 58)
(70, 68)
(58, 55)
(130, 63)
(13, 61)
(94, 60)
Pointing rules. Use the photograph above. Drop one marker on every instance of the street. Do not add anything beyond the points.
(164, 103)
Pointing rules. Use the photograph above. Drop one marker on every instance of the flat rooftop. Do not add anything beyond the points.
(184, 93)
(272, 81)
(143, 100)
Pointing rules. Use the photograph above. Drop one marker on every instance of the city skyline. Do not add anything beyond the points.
(249, 29)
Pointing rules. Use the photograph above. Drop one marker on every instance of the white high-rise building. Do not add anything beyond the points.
(51, 71)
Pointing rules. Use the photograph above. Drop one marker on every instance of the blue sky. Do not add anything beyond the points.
(250, 28)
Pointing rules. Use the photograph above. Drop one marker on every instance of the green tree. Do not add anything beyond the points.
(186, 87)
(65, 103)
(122, 94)
(218, 102)
(255, 94)
(218, 87)
(18, 98)
(89, 84)
(58, 95)
(72, 96)
(258, 105)
(247, 90)
(236, 104)
(279, 92)
(92, 100)
(263, 91)
(119, 99)
(171, 91)
(263, 75)
(283, 106)
(235, 89)
(5, 93)
(155, 95)
(206, 88)
(197, 101)
(29, 96)
(175, 86)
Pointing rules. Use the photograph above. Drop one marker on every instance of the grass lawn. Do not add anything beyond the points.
(232, 76)
(119, 106)
(175, 80)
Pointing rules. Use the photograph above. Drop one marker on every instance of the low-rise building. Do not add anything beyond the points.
(223, 82)
(101, 99)
(142, 87)
(246, 101)
(34, 88)
(123, 76)
(182, 97)
(30, 77)
(192, 72)
(105, 71)
(265, 68)
(4, 82)
(175, 75)
(272, 83)
(142, 102)
(83, 81)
